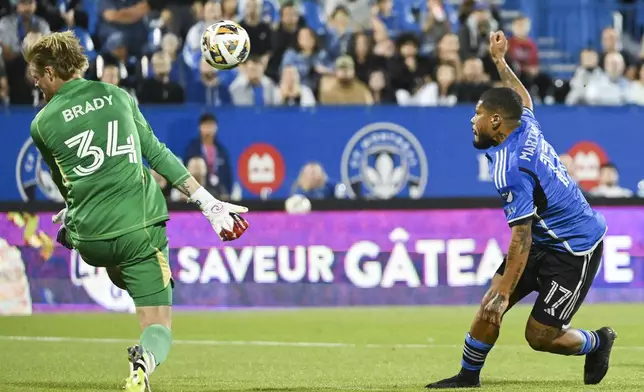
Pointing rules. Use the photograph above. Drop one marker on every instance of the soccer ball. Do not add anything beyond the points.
(225, 44)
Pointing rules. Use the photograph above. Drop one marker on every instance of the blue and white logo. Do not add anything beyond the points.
(382, 161)
(33, 176)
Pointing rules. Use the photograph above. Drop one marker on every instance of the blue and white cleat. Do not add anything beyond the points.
(138, 380)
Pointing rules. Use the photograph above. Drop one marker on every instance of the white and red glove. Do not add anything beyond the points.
(224, 217)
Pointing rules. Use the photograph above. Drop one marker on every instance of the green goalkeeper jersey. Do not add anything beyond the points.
(94, 138)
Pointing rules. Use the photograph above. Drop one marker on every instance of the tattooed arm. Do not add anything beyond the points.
(498, 49)
(497, 301)
(517, 257)
(189, 186)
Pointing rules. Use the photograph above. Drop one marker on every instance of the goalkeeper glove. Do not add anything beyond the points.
(224, 217)
(61, 237)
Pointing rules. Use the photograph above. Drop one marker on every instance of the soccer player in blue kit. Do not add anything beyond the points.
(557, 238)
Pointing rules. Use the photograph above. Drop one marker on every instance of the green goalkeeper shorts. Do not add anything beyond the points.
(136, 262)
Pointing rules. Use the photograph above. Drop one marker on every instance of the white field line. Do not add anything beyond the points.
(54, 339)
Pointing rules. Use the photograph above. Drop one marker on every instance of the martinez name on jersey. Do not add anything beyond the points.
(533, 183)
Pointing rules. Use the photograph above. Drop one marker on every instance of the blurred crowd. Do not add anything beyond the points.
(405, 52)
(610, 77)
(336, 52)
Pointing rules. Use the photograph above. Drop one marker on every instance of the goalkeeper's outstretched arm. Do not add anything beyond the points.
(224, 217)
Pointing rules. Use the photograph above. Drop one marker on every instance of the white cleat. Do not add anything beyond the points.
(138, 380)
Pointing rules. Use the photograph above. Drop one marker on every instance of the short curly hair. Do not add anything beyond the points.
(503, 100)
(60, 51)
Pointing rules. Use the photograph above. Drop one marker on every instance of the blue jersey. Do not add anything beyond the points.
(533, 183)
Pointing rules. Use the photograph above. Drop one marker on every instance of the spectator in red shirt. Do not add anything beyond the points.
(525, 57)
(522, 48)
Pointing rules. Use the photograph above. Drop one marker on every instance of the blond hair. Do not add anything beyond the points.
(60, 51)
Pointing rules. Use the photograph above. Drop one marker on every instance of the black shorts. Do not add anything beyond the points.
(561, 279)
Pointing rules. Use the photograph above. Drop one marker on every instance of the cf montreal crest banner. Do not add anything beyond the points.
(326, 259)
(377, 153)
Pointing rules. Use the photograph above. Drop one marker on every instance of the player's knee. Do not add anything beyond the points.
(155, 308)
(538, 342)
(151, 315)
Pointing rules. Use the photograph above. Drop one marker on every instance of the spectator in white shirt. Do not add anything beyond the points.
(636, 90)
(612, 88)
(443, 91)
(360, 12)
(292, 92)
(609, 183)
(587, 71)
(252, 87)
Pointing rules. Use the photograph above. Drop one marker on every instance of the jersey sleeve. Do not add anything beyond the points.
(160, 158)
(518, 198)
(56, 175)
(528, 117)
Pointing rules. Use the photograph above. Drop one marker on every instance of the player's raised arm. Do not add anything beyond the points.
(224, 217)
(498, 49)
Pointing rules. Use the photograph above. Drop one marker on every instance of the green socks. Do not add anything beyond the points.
(156, 340)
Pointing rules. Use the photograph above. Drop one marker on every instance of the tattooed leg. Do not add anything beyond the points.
(555, 340)
(542, 337)
(595, 345)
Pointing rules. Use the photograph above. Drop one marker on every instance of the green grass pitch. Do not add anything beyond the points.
(362, 349)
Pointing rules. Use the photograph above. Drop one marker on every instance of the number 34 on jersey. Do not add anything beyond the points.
(83, 142)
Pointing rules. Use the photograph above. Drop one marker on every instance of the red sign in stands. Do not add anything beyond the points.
(588, 158)
(261, 168)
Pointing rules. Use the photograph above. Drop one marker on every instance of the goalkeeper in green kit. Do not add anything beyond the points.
(94, 139)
